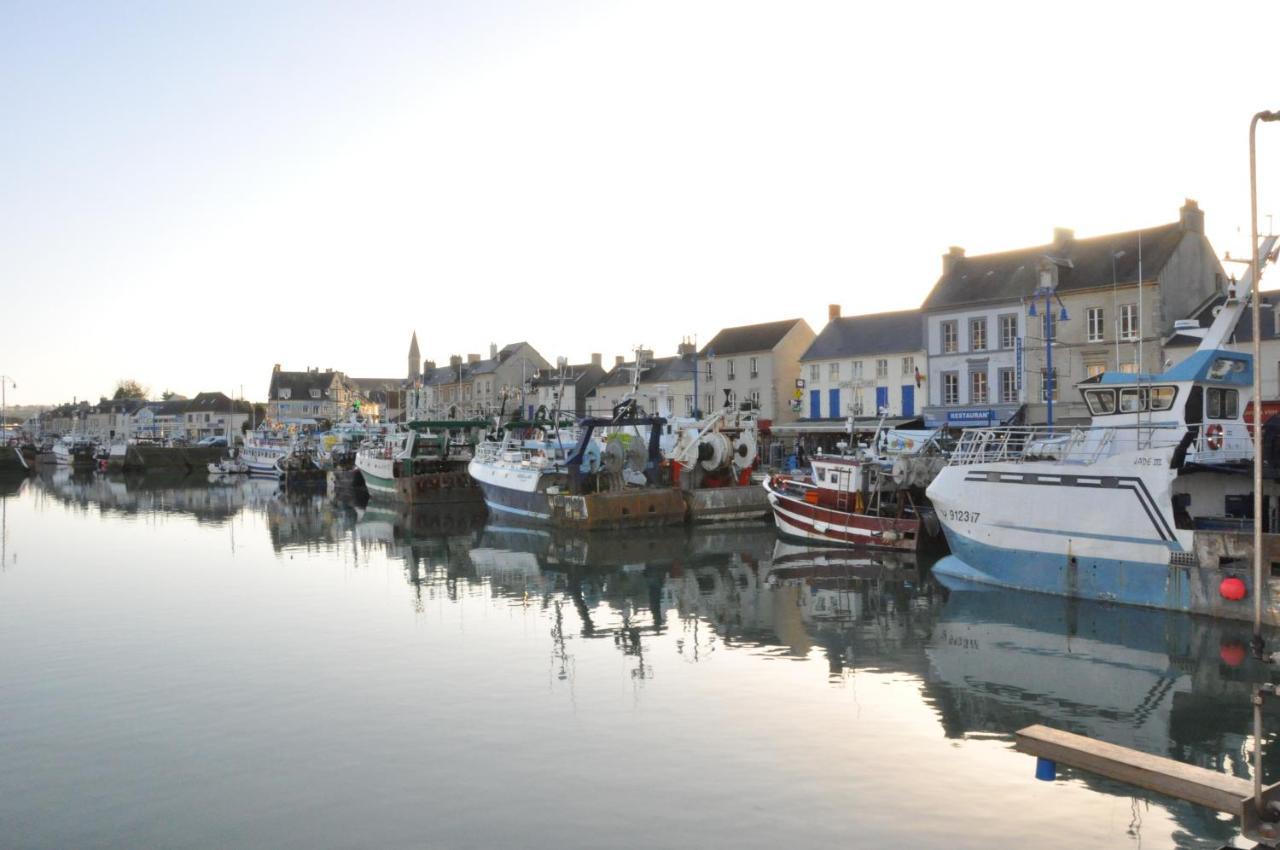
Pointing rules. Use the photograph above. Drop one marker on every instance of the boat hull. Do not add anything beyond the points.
(436, 488)
(1105, 532)
(801, 520)
(642, 507)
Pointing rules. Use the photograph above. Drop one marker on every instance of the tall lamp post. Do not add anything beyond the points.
(5, 380)
(1047, 292)
(1257, 376)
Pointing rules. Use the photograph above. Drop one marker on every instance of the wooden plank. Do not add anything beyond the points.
(1155, 773)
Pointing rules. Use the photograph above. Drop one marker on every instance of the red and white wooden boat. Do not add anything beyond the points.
(848, 501)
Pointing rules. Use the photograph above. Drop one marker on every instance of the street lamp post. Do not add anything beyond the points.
(1046, 292)
(4, 381)
(1257, 376)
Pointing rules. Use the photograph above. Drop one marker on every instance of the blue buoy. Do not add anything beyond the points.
(1046, 770)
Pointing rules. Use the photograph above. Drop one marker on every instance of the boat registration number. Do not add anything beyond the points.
(954, 515)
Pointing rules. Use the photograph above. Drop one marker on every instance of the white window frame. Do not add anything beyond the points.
(950, 388)
(949, 336)
(909, 365)
(1008, 378)
(815, 372)
(1095, 325)
(979, 387)
(833, 371)
(978, 334)
(754, 372)
(1129, 324)
(1009, 333)
(728, 370)
(882, 368)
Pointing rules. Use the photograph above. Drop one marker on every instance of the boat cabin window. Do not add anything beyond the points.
(1162, 397)
(1221, 403)
(1101, 402)
(1133, 399)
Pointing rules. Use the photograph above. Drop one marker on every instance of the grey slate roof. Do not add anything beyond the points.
(174, 407)
(660, 370)
(215, 403)
(583, 376)
(119, 405)
(748, 338)
(368, 385)
(300, 384)
(874, 333)
(1011, 275)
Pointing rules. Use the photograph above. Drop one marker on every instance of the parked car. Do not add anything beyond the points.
(212, 441)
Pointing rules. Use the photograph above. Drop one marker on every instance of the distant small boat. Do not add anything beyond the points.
(75, 451)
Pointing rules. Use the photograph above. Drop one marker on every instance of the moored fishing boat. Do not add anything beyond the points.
(425, 463)
(572, 480)
(263, 447)
(1151, 505)
(74, 450)
(872, 496)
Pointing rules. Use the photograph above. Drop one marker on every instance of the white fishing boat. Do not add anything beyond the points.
(1151, 505)
(74, 450)
(263, 447)
(426, 461)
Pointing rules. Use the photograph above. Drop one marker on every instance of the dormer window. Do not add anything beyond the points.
(286, 392)
(315, 393)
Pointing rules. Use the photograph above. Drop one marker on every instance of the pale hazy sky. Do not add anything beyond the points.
(192, 192)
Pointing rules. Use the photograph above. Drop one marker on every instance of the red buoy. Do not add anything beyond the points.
(1233, 589)
(1232, 653)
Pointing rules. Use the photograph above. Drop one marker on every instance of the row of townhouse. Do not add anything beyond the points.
(314, 395)
(209, 414)
(975, 351)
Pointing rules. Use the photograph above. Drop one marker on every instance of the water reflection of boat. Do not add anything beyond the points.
(563, 549)
(795, 561)
(146, 493)
(1163, 683)
(11, 485)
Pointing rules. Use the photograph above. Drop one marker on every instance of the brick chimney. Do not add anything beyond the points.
(493, 351)
(618, 360)
(596, 358)
(473, 358)
(685, 348)
(275, 368)
(833, 312)
(428, 366)
(455, 361)
(1062, 236)
(954, 254)
(1191, 217)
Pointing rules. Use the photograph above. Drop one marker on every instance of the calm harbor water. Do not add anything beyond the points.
(195, 664)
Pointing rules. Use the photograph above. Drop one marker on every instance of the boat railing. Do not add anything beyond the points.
(1083, 445)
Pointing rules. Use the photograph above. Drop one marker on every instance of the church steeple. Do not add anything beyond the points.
(415, 359)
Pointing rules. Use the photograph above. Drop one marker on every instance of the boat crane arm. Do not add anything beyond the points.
(1224, 324)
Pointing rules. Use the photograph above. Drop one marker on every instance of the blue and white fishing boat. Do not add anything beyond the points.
(1150, 505)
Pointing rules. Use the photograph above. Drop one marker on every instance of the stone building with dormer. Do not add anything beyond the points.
(1121, 293)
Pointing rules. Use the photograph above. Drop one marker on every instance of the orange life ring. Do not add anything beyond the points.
(1213, 437)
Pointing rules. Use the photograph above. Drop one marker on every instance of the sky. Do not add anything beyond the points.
(192, 192)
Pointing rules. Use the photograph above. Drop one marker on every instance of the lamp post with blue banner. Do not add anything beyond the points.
(1047, 292)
